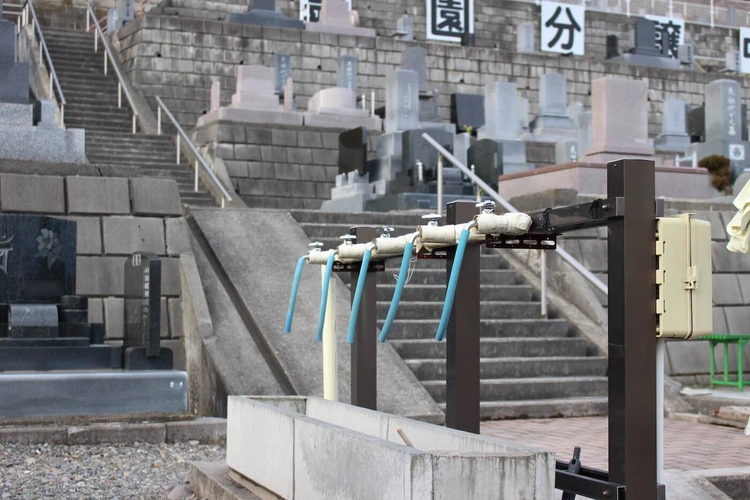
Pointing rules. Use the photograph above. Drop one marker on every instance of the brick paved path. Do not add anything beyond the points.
(688, 446)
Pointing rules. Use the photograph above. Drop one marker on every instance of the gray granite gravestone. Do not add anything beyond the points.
(346, 76)
(552, 124)
(125, 12)
(723, 125)
(525, 38)
(486, 156)
(573, 148)
(353, 189)
(142, 315)
(673, 137)
(405, 28)
(645, 38)
(282, 64)
(265, 13)
(401, 101)
(14, 76)
(502, 124)
(415, 59)
(644, 51)
(335, 17)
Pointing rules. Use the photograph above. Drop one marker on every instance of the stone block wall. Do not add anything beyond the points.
(108, 231)
(178, 59)
(283, 167)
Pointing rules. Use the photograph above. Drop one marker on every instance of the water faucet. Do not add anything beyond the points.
(386, 232)
(488, 207)
(433, 219)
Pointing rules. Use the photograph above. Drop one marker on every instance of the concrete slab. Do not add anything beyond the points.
(248, 259)
(92, 393)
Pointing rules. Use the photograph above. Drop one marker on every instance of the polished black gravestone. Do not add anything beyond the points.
(265, 13)
(353, 151)
(43, 325)
(467, 110)
(14, 76)
(142, 341)
(696, 124)
(486, 156)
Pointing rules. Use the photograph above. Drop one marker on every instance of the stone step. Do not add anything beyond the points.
(103, 126)
(508, 368)
(497, 348)
(165, 158)
(488, 310)
(318, 230)
(139, 138)
(413, 329)
(108, 106)
(528, 388)
(542, 408)
(411, 219)
(421, 293)
(439, 277)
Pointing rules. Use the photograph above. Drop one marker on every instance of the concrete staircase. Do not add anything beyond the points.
(92, 105)
(530, 367)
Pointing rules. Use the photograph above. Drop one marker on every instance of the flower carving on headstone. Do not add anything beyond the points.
(49, 247)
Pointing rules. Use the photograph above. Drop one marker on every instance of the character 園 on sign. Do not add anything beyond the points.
(449, 20)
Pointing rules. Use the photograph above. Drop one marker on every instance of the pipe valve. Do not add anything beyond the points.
(386, 232)
(315, 246)
(348, 238)
(433, 219)
(488, 207)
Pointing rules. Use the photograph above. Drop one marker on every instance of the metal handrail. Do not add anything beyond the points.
(510, 208)
(90, 14)
(199, 159)
(27, 7)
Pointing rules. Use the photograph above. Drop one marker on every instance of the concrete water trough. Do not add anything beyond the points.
(307, 448)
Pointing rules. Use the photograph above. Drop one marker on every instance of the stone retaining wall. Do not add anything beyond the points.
(115, 217)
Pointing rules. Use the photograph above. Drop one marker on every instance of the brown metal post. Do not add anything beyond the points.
(632, 328)
(364, 349)
(462, 336)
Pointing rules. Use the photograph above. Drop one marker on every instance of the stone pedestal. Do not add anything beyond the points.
(335, 17)
(552, 124)
(673, 137)
(265, 13)
(14, 76)
(337, 108)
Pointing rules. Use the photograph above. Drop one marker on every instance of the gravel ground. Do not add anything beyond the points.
(107, 472)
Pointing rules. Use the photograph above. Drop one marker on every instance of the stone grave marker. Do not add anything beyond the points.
(401, 100)
(613, 46)
(265, 13)
(37, 258)
(405, 28)
(644, 38)
(346, 76)
(336, 107)
(467, 110)
(125, 12)
(553, 123)
(415, 59)
(142, 315)
(14, 76)
(335, 17)
(215, 96)
(282, 64)
(501, 116)
(525, 38)
(486, 156)
(673, 137)
(353, 151)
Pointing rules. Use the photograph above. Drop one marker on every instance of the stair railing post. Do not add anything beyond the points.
(62, 115)
(106, 62)
(88, 23)
(96, 42)
(196, 175)
(158, 119)
(119, 94)
(462, 384)
(178, 149)
(135, 124)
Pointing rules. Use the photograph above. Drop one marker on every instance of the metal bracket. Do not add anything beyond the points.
(355, 267)
(593, 483)
(439, 254)
(573, 217)
(531, 241)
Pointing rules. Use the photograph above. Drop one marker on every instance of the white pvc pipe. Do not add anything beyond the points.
(330, 368)
(660, 348)
(440, 185)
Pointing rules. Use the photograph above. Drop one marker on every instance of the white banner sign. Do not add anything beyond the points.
(314, 14)
(563, 28)
(671, 30)
(745, 50)
(448, 20)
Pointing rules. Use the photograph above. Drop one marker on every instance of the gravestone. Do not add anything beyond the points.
(467, 110)
(353, 189)
(415, 59)
(645, 51)
(461, 144)
(673, 137)
(572, 148)
(502, 124)
(525, 38)
(401, 101)
(142, 315)
(14, 76)
(255, 100)
(405, 28)
(125, 12)
(346, 76)
(723, 125)
(112, 18)
(619, 120)
(686, 55)
(486, 156)
(696, 124)
(282, 64)
(613, 46)
(353, 151)
(215, 96)
(553, 124)
(645, 38)
(335, 17)
(265, 13)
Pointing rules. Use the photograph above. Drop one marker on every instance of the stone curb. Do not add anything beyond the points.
(203, 430)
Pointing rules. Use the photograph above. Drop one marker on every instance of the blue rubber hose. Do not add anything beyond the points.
(402, 275)
(358, 295)
(324, 296)
(293, 298)
(452, 282)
